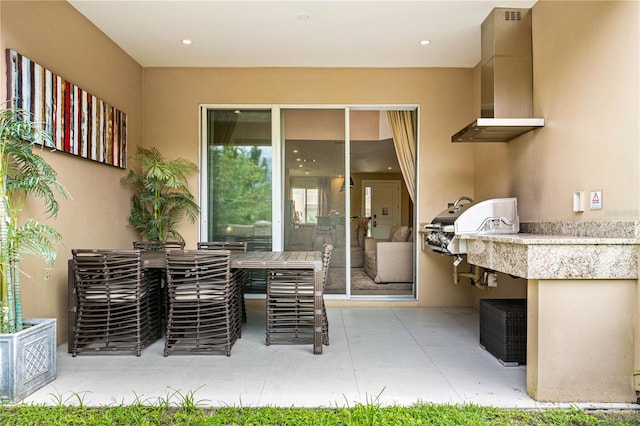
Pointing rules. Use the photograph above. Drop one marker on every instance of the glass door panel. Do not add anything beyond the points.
(239, 181)
(314, 201)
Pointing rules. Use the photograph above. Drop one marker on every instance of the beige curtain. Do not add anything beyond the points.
(324, 196)
(404, 140)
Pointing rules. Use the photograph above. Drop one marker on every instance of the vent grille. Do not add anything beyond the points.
(512, 15)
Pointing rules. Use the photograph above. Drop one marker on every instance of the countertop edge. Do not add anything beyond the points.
(538, 239)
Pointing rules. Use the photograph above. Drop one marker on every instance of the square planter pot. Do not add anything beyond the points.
(27, 358)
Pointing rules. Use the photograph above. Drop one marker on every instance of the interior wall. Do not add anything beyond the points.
(357, 206)
(586, 58)
(56, 36)
(172, 97)
(328, 124)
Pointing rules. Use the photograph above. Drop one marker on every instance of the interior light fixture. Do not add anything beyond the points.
(187, 42)
(425, 42)
(342, 188)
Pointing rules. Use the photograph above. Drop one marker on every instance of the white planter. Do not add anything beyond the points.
(27, 358)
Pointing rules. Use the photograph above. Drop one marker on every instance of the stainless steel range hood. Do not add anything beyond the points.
(506, 79)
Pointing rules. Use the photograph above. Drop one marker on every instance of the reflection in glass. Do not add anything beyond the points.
(314, 161)
(239, 186)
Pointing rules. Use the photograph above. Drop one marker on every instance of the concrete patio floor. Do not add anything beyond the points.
(382, 355)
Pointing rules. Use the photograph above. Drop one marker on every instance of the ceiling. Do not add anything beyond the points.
(298, 33)
(295, 33)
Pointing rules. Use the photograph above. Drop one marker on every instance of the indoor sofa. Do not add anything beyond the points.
(390, 260)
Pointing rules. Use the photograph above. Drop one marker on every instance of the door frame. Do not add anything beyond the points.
(278, 176)
(367, 182)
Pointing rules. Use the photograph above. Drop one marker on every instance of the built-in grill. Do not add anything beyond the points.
(464, 216)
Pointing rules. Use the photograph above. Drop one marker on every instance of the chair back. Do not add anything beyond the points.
(158, 245)
(223, 245)
(198, 274)
(108, 274)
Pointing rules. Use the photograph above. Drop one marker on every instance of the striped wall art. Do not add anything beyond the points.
(78, 122)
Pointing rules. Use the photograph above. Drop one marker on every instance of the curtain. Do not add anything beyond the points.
(324, 196)
(404, 140)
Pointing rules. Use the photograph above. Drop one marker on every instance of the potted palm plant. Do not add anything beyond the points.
(27, 346)
(161, 197)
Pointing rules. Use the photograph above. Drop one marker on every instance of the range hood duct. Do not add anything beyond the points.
(506, 79)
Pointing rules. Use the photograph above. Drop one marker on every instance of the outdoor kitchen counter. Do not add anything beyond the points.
(583, 336)
(537, 256)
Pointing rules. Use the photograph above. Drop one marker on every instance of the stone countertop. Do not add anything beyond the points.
(550, 239)
(536, 256)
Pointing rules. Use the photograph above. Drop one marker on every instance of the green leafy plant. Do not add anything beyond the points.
(23, 174)
(161, 197)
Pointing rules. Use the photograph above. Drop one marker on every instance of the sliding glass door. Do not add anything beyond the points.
(239, 181)
(314, 194)
(295, 178)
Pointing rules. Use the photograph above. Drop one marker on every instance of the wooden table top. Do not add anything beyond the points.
(253, 260)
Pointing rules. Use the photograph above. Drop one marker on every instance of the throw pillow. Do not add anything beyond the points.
(354, 233)
(401, 234)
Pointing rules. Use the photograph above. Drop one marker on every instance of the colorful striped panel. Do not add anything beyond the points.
(78, 122)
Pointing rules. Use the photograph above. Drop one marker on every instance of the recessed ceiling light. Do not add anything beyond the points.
(186, 41)
(389, 168)
(425, 42)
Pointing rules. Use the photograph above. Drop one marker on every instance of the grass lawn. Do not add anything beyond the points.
(190, 413)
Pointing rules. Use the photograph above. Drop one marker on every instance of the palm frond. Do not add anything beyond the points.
(162, 198)
(23, 174)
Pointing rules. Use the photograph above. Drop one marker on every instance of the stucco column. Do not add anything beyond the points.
(581, 340)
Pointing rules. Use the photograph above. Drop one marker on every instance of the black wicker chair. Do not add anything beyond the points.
(158, 276)
(158, 245)
(202, 302)
(238, 274)
(290, 295)
(117, 308)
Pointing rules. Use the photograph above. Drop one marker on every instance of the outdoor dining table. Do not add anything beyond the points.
(310, 260)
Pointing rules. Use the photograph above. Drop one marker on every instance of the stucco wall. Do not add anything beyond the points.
(172, 96)
(586, 58)
(57, 37)
(586, 87)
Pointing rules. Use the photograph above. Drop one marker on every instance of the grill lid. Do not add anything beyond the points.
(447, 217)
(495, 216)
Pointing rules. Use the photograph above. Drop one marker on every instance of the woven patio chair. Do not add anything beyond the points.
(239, 275)
(158, 245)
(117, 305)
(290, 295)
(202, 302)
(158, 275)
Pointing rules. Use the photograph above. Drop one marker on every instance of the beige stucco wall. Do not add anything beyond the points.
(172, 97)
(54, 35)
(586, 58)
(580, 340)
